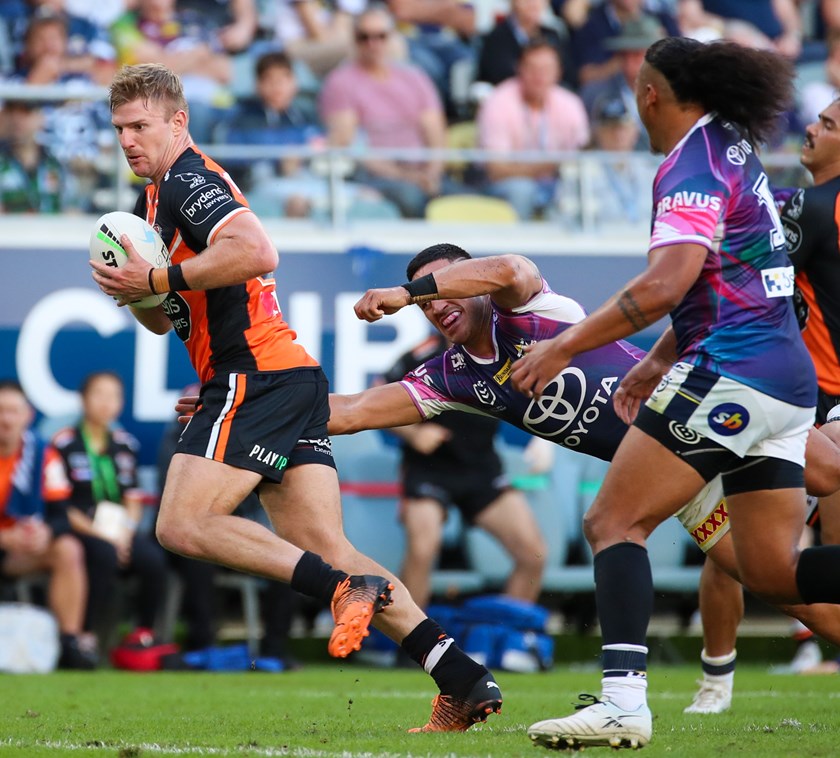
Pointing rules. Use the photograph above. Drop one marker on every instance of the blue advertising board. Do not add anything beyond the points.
(56, 326)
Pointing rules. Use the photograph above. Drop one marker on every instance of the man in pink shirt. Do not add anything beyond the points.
(530, 111)
(395, 106)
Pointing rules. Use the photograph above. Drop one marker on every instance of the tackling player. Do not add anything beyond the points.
(490, 308)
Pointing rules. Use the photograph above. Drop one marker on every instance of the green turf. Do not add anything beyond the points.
(347, 710)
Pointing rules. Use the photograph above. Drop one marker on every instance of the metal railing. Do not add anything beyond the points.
(586, 179)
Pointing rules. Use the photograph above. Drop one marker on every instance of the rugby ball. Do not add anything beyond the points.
(105, 246)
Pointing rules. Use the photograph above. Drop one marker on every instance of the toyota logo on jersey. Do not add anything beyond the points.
(558, 406)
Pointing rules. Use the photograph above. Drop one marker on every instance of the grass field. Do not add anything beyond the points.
(333, 710)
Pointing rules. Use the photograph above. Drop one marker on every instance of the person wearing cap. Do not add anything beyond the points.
(628, 47)
(594, 60)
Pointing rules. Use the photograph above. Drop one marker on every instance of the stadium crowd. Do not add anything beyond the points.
(527, 76)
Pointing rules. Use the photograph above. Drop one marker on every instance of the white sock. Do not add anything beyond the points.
(627, 692)
(720, 660)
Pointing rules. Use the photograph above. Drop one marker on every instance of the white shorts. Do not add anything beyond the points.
(741, 419)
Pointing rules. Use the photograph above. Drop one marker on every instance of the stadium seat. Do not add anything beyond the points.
(248, 588)
(667, 548)
(372, 524)
(550, 503)
(476, 209)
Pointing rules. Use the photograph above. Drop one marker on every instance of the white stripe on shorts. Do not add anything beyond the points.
(217, 424)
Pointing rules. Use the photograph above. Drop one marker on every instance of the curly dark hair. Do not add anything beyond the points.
(444, 251)
(749, 88)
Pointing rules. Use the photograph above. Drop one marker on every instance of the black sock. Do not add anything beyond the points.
(623, 593)
(315, 578)
(817, 574)
(453, 670)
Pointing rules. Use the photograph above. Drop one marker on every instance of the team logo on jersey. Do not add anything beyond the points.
(457, 361)
(793, 234)
(778, 281)
(484, 393)
(683, 433)
(794, 207)
(191, 178)
(728, 419)
(503, 374)
(521, 345)
(202, 203)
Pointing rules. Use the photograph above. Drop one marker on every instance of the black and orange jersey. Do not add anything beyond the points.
(228, 329)
(811, 218)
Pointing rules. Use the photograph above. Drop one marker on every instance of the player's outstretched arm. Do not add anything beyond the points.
(376, 408)
(510, 280)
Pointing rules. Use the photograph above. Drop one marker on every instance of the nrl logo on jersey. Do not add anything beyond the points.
(484, 394)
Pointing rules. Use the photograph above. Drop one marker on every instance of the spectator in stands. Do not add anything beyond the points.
(594, 61)
(502, 46)
(32, 180)
(572, 13)
(439, 34)
(769, 24)
(629, 48)
(59, 47)
(106, 504)
(34, 532)
(394, 106)
(184, 42)
(531, 112)
(453, 461)
(276, 116)
(817, 95)
(316, 34)
(233, 21)
(73, 130)
(618, 187)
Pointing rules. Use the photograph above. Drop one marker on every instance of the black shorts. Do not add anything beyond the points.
(469, 494)
(262, 422)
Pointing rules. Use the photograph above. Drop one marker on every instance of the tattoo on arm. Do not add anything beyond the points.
(630, 308)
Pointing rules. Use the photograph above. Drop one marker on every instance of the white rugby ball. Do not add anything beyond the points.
(105, 246)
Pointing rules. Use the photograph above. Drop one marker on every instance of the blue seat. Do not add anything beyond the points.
(667, 549)
(550, 503)
(372, 525)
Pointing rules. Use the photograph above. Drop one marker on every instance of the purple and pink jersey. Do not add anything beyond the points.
(575, 410)
(737, 319)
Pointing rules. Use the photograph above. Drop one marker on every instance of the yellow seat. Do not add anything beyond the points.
(470, 209)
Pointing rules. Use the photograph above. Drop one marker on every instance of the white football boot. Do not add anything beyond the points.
(712, 697)
(598, 723)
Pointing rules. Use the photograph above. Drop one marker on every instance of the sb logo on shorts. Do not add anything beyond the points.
(728, 418)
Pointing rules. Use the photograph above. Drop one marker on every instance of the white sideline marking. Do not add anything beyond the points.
(153, 747)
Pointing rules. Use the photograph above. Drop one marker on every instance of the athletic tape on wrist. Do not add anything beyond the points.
(423, 289)
(177, 283)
